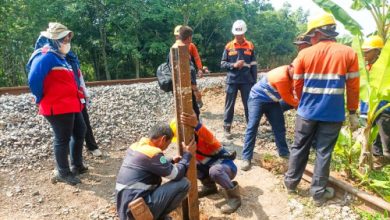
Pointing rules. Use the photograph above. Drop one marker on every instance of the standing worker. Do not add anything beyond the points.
(240, 61)
(381, 148)
(90, 141)
(53, 83)
(321, 73)
(264, 98)
(195, 59)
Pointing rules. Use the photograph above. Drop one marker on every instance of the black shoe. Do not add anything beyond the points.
(77, 170)
(68, 178)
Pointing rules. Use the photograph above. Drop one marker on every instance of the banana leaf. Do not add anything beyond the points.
(364, 77)
(380, 74)
(341, 15)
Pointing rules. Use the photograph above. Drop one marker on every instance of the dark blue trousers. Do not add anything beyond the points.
(69, 132)
(230, 101)
(273, 112)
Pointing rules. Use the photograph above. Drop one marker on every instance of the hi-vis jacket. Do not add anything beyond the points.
(274, 87)
(235, 51)
(364, 105)
(321, 73)
(193, 50)
(141, 173)
(53, 83)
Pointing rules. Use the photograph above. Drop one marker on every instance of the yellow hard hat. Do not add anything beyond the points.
(319, 21)
(173, 126)
(373, 42)
(176, 32)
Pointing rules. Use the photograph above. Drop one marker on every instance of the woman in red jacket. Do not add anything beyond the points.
(53, 83)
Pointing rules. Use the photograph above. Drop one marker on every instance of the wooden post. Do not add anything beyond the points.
(181, 78)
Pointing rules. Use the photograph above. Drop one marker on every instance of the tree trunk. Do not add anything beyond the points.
(137, 65)
(103, 39)
(366, 155)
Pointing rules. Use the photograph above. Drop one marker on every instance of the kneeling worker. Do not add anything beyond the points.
(214, 164)
(141, 172)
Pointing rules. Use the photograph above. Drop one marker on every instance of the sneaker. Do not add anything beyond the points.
(246, 165)
(290, 191)
(96, 153)
(68, 178)
(79, 170)
(329, 193)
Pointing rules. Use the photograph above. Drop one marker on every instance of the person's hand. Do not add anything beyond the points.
(206, 70)
(190, 147)
(176, 159)
(238, 64)
(200, 73)
(354, 122)
(189, 119)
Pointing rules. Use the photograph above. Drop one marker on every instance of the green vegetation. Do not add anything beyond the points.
(128, 39)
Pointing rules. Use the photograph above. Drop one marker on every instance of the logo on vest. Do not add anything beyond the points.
(163, 160)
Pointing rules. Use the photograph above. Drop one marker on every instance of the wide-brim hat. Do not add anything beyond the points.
(302, 39)
(56, 31)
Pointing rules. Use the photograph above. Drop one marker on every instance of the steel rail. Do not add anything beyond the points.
(24, 89)
(367, 201)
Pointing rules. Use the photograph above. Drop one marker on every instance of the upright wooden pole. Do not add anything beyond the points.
(181, 78)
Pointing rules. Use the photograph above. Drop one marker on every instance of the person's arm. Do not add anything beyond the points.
(353, 84)
(298, 76)
(195, 54)
(161, 166)
(82, 85)
(225, 64)
(285, 91)
(40, 68)
(253, 64)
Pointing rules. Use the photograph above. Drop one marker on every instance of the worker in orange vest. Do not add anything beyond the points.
(322, 73)
(264, 98)
(195, 59)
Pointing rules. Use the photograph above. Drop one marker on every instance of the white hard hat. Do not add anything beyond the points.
(239, 27)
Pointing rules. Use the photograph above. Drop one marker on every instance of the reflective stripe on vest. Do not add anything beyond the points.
(139, 185)
(325, 91)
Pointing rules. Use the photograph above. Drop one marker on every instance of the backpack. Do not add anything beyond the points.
(164, 77)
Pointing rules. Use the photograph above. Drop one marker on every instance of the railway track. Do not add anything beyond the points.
(24, 89)
(366, 201)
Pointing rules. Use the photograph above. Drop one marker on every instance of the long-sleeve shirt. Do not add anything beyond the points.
(141, 173)
(274, 87)
(321, 73)
(232, 53)
(195, 56)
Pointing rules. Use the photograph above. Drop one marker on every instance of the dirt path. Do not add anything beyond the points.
(28, 193)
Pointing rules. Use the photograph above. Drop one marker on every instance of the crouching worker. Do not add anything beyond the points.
(141, 172)
(214, 165)
(264, 98)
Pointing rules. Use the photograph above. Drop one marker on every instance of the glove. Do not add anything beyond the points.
(354, 122)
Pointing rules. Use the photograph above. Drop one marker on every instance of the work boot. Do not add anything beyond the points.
(233, 199)
(329, 193)
(208, 187)
(68, 178)
(246, 165)
(226, 132)
(290, 191)
(96, 153)
(77, 170)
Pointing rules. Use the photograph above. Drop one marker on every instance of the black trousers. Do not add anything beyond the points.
(89, 138)
(382, 142)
